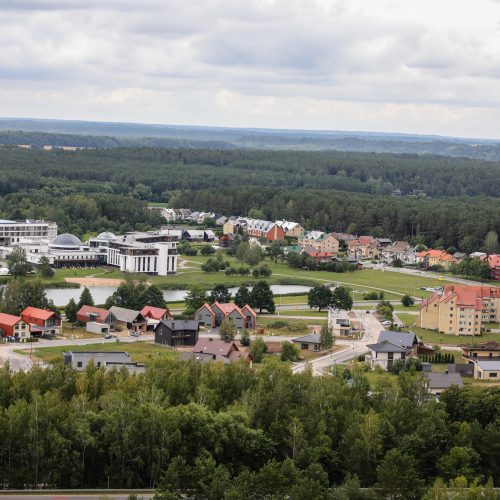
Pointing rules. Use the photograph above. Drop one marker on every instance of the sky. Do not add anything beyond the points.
(427, 66)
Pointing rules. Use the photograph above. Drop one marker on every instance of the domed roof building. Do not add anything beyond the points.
(106, 235)
(66, 241)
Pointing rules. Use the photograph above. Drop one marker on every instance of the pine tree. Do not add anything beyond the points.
(86, 299)
(71, 310)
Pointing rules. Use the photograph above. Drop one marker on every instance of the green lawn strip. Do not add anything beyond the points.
(288, 327)
(141, 352)
(431, 337)
(304, 312)
(408, 319)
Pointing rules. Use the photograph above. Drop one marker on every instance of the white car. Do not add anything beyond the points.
(387, 323)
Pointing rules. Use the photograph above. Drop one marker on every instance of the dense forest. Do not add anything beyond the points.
(213, 431)
(105, 134)
(167, 169)
(93, 190)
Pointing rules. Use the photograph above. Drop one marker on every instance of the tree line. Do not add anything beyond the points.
(196, 430)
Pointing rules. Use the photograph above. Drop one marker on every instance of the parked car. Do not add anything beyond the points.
(108, 336)
(134, 334)
(387, 323)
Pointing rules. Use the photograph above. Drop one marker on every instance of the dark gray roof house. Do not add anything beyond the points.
(100, 359)
(403, 339)
(387, 346)
(177, 332)
(311, 342)
(438, 382)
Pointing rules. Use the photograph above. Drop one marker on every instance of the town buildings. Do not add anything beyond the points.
(96, 319)
(460, 309)
(431, 257)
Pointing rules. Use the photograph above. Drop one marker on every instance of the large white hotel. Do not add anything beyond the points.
(149, 253)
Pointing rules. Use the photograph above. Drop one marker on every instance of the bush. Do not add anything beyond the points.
(245, 338)
(258, 349)
(207, 250)
(370, 296)
(289, 352)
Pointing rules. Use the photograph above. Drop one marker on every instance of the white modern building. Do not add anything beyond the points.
(150, 253)
(11, 232)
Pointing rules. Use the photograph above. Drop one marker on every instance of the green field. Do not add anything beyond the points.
(305, 312)
(432, 337)
(142, 352)
(408, 319)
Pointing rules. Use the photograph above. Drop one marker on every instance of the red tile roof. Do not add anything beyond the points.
(34, 312)
(88, 310)
(154, 312)
(215, 346)
(8, 319)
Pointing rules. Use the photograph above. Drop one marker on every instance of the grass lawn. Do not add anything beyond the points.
(305, 312)
(408, 319)
(432, 337)
(142, 352)
(78, 333)
(288, 327)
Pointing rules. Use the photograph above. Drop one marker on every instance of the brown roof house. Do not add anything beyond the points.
(213, 350)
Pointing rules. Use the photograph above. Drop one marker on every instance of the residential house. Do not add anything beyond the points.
(310, 238)
(324, 243)
(193, 235)
(345, 236)
(292, 229)
(105, 360)
(494, 263)
(226, 240)
(213, 350)
(464, 369)
(439, 382)
(311, 342)
(15, 327)
(364, 247)
(393, 252)
(384, 242)
(384, 354)
(220, 220)
(263, 229)
(289, 249)
(213, 315)
(340, 322)
(484, 350)
(130, 320)
(96, 320)
(433, 257)
(177, 332)
(487, 369)
(407, 340)
(231, 226)
(208, 235)
(153, 316)
(42, 321)
(156, 313)
(315, 254)
(460, 309)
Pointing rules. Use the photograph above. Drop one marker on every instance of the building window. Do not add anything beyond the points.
(493, 375)
(79, 364)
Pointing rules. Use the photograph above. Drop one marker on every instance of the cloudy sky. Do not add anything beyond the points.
(427, 66)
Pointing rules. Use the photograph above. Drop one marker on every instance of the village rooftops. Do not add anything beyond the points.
(312, 338)
(403, 339)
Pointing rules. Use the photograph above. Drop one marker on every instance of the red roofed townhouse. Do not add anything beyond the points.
(14, 326)
(433, 257)
(460, 309)
(263, 228)
(96, 320)
(213, 315)
(42, 321)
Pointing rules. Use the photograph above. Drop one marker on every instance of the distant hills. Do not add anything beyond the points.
(66, 133)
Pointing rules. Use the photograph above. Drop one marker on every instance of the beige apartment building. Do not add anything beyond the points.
(460, 309)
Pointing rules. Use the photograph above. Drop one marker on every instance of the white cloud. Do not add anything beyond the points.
(427, 67)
